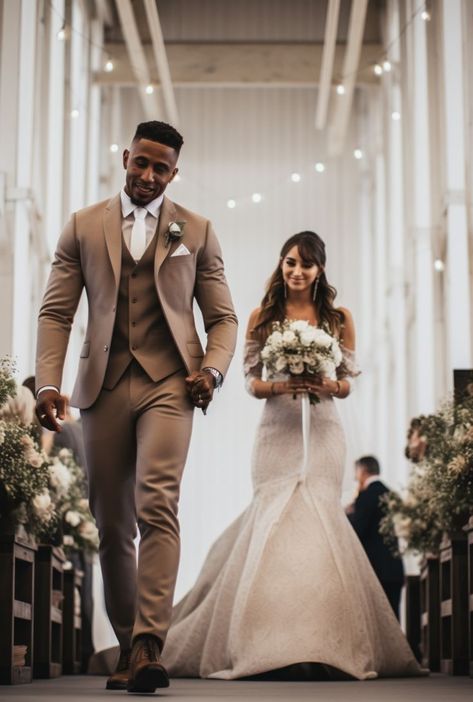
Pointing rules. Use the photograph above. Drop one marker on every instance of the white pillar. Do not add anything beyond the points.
(459, 304)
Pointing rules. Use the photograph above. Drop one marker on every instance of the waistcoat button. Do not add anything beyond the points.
(105, 348)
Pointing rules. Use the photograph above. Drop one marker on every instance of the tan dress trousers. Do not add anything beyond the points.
(136, 441)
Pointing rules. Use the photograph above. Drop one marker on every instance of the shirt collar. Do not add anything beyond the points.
(372, 479)
(128, 206)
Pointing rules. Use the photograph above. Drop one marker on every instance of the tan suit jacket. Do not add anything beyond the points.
(89, 255)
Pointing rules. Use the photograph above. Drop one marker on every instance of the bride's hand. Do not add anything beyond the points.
(294, 386)
(320, 385)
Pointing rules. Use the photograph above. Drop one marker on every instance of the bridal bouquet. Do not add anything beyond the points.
(298, 348)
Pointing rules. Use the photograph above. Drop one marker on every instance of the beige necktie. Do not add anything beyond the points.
(138, 233)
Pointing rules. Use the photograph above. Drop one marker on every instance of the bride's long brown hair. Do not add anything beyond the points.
(312, 251)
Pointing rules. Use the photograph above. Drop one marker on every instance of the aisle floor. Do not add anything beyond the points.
(80, 688)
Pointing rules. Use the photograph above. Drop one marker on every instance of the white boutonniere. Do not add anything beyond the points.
(174, 232)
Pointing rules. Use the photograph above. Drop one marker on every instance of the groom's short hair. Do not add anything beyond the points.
(370, 464)
(161, 132)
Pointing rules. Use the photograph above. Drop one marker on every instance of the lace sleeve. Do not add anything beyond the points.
(348, 369)
(252, 365)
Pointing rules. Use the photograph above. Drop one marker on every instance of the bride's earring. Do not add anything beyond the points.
(316, 285)
(285, 290)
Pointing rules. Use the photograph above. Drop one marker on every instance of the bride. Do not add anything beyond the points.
(288, 582)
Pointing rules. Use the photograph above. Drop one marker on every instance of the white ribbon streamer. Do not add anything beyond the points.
(305, 406)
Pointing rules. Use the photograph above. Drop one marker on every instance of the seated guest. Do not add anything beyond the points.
(365, 515)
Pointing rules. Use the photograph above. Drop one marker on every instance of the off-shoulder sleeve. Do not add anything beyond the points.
(348, 369)
(252, 364)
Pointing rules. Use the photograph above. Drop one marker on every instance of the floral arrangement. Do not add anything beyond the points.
(439, 495)
(7, 381)
(299, 348)
(174, 232)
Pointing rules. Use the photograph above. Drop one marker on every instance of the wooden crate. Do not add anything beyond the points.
(469, 532)
(48, 612)
(430, 612)
(72, 622)
(454, 605)
(17, 567)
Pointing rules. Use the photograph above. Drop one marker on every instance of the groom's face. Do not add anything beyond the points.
(150, 167)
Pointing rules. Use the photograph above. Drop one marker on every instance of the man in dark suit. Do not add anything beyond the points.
(365, 515)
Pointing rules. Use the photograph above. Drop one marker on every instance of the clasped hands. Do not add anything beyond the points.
(200, 386)
(313, 384)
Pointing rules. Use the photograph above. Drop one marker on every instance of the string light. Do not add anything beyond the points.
(256, 197)
(296, 177)
(425, 15)
(387, 66)
(109, 66)
(395, 116)
(340, 89)
(319, 167)
(177, 178)
(149, 90)
(74, 114)
(231, 204)
(439, 265)
(114, 148)
(377, 69)
(62, 33)
(358, 154)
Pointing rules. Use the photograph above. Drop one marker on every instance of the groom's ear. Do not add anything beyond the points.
(126, 156)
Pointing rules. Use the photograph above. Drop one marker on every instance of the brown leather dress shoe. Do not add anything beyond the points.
(146, 671)
(119, 679)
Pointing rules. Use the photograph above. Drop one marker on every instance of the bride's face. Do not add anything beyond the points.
(299, 275)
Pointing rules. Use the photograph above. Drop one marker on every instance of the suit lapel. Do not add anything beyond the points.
(166, 215)
(112, 226)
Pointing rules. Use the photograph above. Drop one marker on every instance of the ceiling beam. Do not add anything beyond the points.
(344, 102)
(328, 58)
(137, 58)
(162, 63)
(216, 64)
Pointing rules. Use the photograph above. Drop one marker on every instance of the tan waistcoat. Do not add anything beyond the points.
(141, 331)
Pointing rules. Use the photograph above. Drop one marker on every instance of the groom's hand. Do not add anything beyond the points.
(50, 406)
(200, 386)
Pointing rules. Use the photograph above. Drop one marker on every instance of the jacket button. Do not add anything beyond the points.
(105, 348)
(133, 348)
(133, 324)
(133, 299)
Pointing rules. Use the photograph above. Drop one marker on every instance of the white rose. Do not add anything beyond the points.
(89, 531)
(84, 503)
(307, 337)
(289, 337)
(296, 366)
(34, 458)
(60, 475)
(72, 518)
(27, 442)
(68, 540)
(42, 505)
(299, 325)
(322, 339)
(64, 454)
(174, 228)
(280, 364)
(275, 339)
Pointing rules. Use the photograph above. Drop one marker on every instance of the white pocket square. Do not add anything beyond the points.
(181, 250)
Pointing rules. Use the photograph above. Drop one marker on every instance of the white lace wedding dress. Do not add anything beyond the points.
(288, 582)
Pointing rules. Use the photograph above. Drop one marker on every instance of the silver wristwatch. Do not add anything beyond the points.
(217, 376)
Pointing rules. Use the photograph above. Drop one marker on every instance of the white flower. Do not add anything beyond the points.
(27, 442)
(60, 476)
(84, 503)
(64, 453)
(89, 531)
(308, 336)
(289, 337)
(275, 339)
(322, 339)
(299, 325)
(73, 518)
(2, 433)
(33, 458)
(68, 540)
(296, 366)
(280, 364)
(174, 228)
(43, 506)
(402, 526)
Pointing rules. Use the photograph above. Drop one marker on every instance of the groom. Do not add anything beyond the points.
(142, 260)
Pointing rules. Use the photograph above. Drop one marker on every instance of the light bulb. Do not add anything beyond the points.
(114, 148)
(387, 66)
(177, 178)
(231, 204)
(109, 66)
(425, 15)
(396, 116)
(295, 177)
(377, 69)
(439, 265)
(358, 154)
(61, 35)
(319, 167)
(74, 114)
(256, 197)
(340, 89)
(149, 89)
